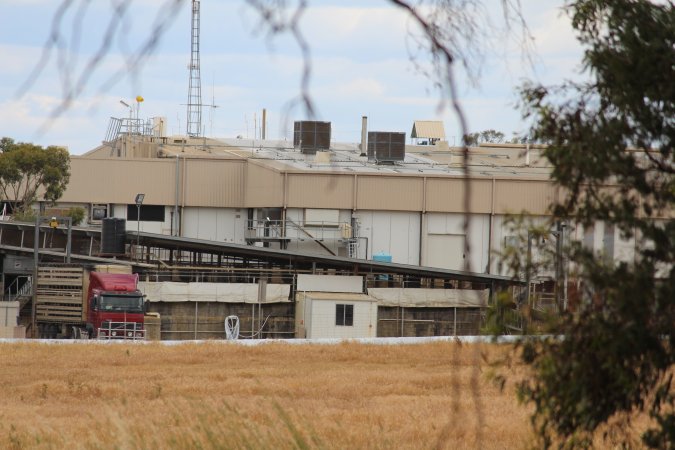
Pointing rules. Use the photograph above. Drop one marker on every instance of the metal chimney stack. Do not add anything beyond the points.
(364, 134)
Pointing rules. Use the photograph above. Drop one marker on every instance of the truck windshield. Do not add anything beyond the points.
(124, 303)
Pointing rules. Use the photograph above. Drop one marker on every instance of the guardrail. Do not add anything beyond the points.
(121, 330)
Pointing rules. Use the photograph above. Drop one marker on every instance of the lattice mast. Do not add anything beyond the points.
(194, 106)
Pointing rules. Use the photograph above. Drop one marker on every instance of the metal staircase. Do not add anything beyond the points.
(353, 248)
(23, 293)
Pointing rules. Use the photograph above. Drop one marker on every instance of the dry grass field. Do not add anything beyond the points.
(222, 395)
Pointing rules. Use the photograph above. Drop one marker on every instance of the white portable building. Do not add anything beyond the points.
(335, 315)
(333, 307)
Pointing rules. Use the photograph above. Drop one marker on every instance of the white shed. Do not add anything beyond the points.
(335, 315)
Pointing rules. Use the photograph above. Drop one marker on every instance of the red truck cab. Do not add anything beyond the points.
(116, 307)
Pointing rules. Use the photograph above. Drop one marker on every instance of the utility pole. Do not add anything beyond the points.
(560, 266)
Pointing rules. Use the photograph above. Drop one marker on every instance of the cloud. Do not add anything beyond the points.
(80, 129)
(360, 65)
(554, 35)
(17, 60)
(26, 2)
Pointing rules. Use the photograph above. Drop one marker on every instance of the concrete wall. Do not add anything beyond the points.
(180, 320)
(9, 314)
(434, 239)
(329, 234)
(396, 233)
(444, 237)
(420, 322)
(215, 224)
(120, 211)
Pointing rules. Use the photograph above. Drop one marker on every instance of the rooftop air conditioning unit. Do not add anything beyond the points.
(311, 136)
(386, 147)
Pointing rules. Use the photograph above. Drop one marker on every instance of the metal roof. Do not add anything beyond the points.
(432, 129)
(293, 260)
(425, 160)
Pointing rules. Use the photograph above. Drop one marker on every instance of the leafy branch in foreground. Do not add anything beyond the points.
(611, 147)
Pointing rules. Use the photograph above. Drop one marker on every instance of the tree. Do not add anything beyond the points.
(26, 169)
(611, 147)
(76, 215)
(491, 136)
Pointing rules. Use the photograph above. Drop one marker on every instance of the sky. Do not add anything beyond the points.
(361, 65)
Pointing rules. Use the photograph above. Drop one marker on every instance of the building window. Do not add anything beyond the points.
(344, 315)
(99, 212)
(149, 213)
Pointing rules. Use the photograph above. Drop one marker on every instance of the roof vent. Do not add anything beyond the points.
(386, 147)
(310, 136)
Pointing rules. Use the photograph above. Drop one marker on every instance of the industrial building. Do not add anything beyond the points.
(387, 212)
(339, 199)
(303, 237)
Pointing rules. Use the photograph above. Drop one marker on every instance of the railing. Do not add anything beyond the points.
(263, 228)
(513, 320)
(121, 330)
(545, 302)
(19, 291)
(127, 126)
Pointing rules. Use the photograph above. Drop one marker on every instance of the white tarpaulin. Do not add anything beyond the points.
(329, 283)
(430, 298)
(169, 291)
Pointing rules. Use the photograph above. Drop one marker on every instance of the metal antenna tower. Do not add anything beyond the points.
(194, 106)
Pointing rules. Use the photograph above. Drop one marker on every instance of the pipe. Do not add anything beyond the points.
(174, 219)
(182, 206)
(423, 238)
(196, 315)
(69, 238)
(35, 274)
(264, 124)
(454, 324)
(527, 153)
(491, 225)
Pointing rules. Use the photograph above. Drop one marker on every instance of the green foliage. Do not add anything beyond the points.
(26, 215)
(491, 136)
(26, 169)
(76, 215)
(611, 147)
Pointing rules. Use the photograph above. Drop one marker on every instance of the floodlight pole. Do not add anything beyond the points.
(139, 202)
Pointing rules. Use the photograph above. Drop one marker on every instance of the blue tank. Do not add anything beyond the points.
(382, 257)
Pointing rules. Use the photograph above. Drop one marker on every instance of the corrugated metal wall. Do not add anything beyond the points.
(319, 191)
(447, 195)
(215, 183)
(264, 187)
(390, 193)
(230, 183)
(515, 196)
(119, 180)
